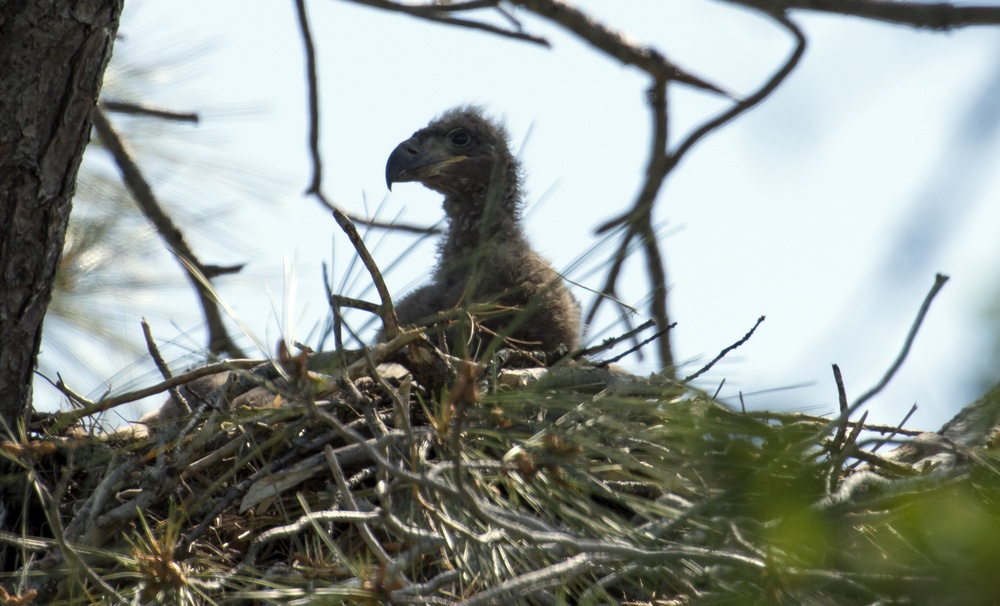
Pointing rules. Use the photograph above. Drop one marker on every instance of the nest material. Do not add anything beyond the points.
(587, 486)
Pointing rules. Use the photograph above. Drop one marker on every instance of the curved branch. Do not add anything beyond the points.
(727, 116)
(638, 219)
(749, 102)
(387, 312)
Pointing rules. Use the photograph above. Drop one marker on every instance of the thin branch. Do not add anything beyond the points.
(313, 93)
(609, 343)
(641, 223)
(343, 301)
(469, 5)
(161, 365)
(522, 586)
(439, 14)
(838, 457)
(345, 492)
(838, 439)
(874, 460)
(304, 522)
(636, 347)
(638, 219)
(219, 340)
(135, 109)
(422, 230)
(798, 417)
(925, 15)
(754, 99)
(882, 442)
(725, 352)
(657, 272)
(614, 44)
(609, 290)
(387, 313)
(939, 282)
(727, 116)
(70, 417)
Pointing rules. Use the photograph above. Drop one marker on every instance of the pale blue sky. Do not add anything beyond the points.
(795, 211)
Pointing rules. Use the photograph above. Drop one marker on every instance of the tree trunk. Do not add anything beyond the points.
(52, 59)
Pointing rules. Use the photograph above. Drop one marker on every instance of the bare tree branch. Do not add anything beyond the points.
(729, 115)
(939, 282)
(439, 13)
(609, 343)
(386, 311)
(638, 220)
(135, 109)
(926, 15)
(92, 408)
(641, 224)
(219, 340)
(161, 365)
(724, 352)
(421, 230)
(317, 162)
(614, 44)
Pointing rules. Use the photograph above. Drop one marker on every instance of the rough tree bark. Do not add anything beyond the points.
(53, 54)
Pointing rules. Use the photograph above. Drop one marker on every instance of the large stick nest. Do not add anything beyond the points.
(573, 484)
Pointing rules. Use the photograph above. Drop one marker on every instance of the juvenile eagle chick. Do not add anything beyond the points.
(484, 257)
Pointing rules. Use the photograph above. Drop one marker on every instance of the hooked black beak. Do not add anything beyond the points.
(414, 160)
(405, 158)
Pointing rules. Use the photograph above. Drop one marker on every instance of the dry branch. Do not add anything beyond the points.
(614, 44)
(219, 340)
(438, 12)
(941, 16)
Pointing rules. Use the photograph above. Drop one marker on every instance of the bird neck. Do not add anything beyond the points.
(478, 218)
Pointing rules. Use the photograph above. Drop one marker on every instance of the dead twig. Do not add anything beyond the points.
(729, 115)
(798, 417)
(838, 439)
(724, 352)
(342, 301)
(637, 221)
(939, 282)
(388, 314)
(136, 109)
(161, 365)
(439, 14)
(898, 429)
(637, 347)
(614, 44)
(421, 230)
(926, 15)
(838, 457)
(609, 343)
(91, 408)
(351, 505)
(219, 340)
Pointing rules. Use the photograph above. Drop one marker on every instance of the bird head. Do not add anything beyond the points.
(457, 154)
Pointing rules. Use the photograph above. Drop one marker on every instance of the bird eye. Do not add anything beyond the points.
(460, 138)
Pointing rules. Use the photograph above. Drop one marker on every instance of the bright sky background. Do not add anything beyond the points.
(828, 209)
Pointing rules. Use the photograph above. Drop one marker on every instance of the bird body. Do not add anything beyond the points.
(484, 257)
